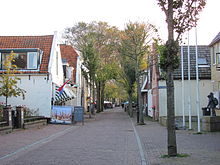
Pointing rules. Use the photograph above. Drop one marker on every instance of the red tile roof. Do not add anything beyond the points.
(44, 43)
(69, 53)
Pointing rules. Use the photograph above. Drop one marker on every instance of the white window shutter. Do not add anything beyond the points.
(32, 60)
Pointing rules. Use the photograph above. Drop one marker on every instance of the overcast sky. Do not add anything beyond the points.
(42, 17)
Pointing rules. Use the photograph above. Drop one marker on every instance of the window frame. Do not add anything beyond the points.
(27, 52)
(35, 60)
(218, 58)
(214, 54)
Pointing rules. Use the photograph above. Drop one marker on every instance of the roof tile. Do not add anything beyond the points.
(204, 72)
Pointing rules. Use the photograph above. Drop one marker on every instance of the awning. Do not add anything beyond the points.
(65, 95)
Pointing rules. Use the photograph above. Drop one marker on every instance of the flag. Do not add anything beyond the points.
(60, 89)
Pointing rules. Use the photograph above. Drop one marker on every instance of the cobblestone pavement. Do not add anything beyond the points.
(106, 139)
(202, 149)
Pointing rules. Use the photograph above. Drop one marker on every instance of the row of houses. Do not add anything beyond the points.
(154, 85)
(44, 66)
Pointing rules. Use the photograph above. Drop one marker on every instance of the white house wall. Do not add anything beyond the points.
(55, 66)
(150, 110)
(205, 87)
(78, 82)
(38, 94)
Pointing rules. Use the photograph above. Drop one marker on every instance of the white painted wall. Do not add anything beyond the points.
(205, 89)
(38, 94)
(150, 110)
(55, 66)
(79, 82)
(39, 88)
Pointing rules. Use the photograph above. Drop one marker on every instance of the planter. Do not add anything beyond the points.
(217, 112)
(7, 115)
(5, 130)
(211, 123)
(35, 124)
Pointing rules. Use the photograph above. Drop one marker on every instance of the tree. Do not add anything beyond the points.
(126, 77)
(135, 44)
(181, 15)
(104, 38)
(90, 61)
(106, 43)
(114, 89)
(9, 81)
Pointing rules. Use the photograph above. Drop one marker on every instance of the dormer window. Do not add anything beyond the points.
(25, 59)
(202, 62)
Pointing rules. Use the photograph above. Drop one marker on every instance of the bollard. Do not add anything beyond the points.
(20, 116)
(7, 115)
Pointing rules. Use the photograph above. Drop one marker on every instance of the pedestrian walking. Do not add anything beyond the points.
(213, 102)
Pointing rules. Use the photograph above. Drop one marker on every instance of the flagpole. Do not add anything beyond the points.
(197, 84)
(197, 80)
(183, 94)
(189, 86)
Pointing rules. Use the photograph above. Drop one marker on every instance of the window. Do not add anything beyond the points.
(214, 54)
(218, 57)
(202, 61)
(217, 53)
(32, 60)
(24, 59)
(20, 60)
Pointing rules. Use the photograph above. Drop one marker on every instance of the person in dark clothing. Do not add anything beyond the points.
(213, 102)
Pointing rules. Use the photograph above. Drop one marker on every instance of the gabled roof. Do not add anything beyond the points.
(215, 40)
(43, 43)
(204, 72)
(69, 55)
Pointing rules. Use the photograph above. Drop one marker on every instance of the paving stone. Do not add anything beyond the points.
(106, 139)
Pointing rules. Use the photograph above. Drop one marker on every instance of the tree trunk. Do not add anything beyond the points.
(130, 110)
(6, 101)
(90, 112)
(98, 103)
(93, 91)
(172, 148)
(170, 26)
(102, 95)
(140, 103)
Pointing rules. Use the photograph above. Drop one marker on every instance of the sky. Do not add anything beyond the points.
(43, 17)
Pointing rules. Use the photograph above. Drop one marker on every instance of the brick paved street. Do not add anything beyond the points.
(107, 138)
(204, 149)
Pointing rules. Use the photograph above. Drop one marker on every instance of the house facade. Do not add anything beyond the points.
(39, 66)
(157, 95)
(215, 64)
(72, 63)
